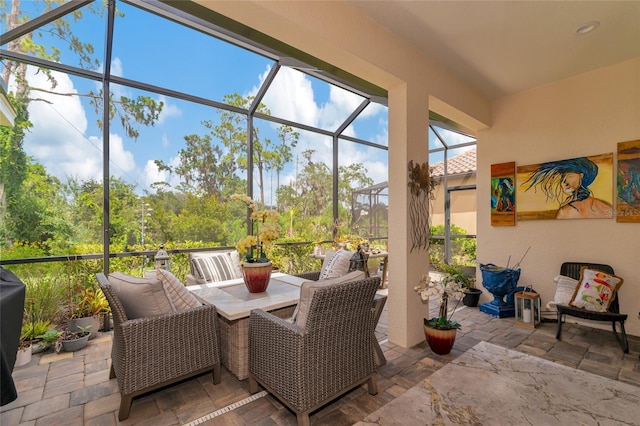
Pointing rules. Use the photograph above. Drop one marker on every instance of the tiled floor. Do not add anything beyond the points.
(74, 388)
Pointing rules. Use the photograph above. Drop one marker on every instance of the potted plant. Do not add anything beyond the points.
(440, 331)
(256, 268)
(86, 306)
(465, 276)
(23, 356)
(71, 341)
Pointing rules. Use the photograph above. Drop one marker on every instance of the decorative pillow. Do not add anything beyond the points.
(596, 290)
(140, 297)
(214, 267)
(335, 264)
(565, 288)
(308, 288)
(180, 297)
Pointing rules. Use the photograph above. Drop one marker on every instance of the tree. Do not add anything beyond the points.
(131, 112)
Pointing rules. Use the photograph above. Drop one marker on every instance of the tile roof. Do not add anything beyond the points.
(460, 164)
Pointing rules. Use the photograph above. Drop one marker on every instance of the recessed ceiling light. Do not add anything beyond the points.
(587, 27)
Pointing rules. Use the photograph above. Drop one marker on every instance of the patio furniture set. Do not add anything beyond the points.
(300, 328)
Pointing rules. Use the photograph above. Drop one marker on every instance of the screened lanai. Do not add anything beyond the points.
(232, 111)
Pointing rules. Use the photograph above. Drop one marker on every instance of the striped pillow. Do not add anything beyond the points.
(214, 267)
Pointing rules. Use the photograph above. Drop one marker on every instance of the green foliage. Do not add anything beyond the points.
(463, 250)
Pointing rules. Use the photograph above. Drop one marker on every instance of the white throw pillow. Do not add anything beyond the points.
(335, 264)
(596, 290)
(308, 289)
(565, 287)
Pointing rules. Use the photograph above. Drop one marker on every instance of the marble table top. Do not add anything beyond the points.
(492, 385)
(233, 301)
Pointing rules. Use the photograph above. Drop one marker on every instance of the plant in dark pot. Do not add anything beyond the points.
(465, 276)
(71, 341)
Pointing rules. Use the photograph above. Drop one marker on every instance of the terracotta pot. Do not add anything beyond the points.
(440, 341)
(256, 276)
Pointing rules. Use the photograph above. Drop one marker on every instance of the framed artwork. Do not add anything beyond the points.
(628, 182)
(503, 194)
(577, 188)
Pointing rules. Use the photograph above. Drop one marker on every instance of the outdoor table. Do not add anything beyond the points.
(234, 303)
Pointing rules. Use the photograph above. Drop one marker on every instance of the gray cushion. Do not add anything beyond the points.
(181, 298)
(308, 288)
(140, 297)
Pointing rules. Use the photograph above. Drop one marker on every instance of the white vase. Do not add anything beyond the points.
(23, 357)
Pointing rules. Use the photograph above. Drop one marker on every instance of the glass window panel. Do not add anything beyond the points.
(298, 179)
(185, 166)
(60, 200)
(371, 125)
(300, 98)
(176, 57)
(363, 193)
(77, 39)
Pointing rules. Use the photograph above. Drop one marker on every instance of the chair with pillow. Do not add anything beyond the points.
(162, 334)
(326, 351)
(594, 297)
(213, 266)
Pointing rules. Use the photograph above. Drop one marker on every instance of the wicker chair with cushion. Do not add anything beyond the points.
(612, 314)
(379, 301)
(150, 352)
(306, 366)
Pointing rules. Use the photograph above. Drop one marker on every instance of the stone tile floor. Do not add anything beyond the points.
(74, 388)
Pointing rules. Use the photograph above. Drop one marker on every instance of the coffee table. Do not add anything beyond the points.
(234, 304)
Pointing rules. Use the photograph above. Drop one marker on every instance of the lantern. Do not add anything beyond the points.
(161, 259)
(527, 307)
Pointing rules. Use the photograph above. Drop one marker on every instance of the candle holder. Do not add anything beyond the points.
(527, 305)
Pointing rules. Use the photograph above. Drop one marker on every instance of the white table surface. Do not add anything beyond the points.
(233, 301)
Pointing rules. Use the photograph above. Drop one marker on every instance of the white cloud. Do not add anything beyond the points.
(169, 110)
(57, 138)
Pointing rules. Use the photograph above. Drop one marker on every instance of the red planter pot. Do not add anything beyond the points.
(256, 276)
(440, 341)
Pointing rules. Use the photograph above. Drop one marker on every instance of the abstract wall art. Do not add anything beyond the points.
(503, 194)
(576, 188)
(628, 182)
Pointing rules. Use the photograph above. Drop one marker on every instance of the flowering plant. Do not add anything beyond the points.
(444, 289)
(265, 227)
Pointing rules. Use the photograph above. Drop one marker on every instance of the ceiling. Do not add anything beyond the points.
(504, 47)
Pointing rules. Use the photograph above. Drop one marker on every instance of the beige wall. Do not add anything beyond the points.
(463, 204)
(584, 115)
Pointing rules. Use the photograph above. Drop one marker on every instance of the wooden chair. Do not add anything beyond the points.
(150, 353)
(307, 366)
(572, 269)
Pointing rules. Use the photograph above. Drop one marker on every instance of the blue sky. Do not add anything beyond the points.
(66, 139)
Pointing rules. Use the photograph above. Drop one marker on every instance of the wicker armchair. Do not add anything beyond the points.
(307, 367)
(378, 305)
(150, 353)
(572, 269)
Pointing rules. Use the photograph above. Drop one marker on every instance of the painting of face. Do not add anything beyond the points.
(577, 188)
(571, 182)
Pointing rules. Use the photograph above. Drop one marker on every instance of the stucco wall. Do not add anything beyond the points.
(581, 116)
